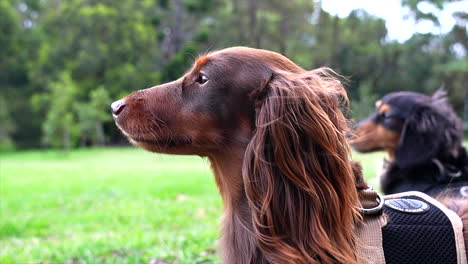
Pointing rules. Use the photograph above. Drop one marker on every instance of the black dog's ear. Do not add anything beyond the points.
(421, 138)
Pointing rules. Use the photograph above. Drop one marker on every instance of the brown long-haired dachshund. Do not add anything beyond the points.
(423, 138)
(275, 137)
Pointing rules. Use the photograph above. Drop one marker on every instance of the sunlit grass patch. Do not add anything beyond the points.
(113, 205)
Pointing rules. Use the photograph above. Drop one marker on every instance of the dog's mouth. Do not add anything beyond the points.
(163, 142)
(363, 143)
(157, 142)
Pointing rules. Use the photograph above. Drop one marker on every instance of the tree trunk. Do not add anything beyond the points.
(253, 23)
(100, 139)
(172, 42)
(284, 30)
(237, 22)
(177, 27)
(465, 110)
(66, 138)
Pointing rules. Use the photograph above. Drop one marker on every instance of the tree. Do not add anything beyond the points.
(74, 57)
(6, 127)
(60, 126)
(418, 14)
(110, 43)
(91, 116)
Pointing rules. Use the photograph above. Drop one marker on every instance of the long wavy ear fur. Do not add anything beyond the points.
(432, 128)
(420, 139)
(297, 173)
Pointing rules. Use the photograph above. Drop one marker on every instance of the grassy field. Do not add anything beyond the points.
(114, 205)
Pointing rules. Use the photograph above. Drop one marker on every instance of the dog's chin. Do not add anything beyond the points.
(169, 145)
(162, 142)
(164, 145)
(362, 148)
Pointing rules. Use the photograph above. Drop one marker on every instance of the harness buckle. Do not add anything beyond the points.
(464, 191)
(376, 209)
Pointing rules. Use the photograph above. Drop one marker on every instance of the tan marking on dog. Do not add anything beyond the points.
(378, 103)
(371, 136)
(384, 108)
(201, 62)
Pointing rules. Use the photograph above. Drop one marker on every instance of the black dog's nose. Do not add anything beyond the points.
(348, 135)
(118, 107)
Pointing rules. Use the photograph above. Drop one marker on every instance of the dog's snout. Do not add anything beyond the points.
(355, 126)
(118, 107)
(348, 135)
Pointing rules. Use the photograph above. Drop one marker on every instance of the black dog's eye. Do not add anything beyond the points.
(202, 78)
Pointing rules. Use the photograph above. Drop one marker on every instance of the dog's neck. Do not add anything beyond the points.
(227, 163)
(227, 168)
(237, 234)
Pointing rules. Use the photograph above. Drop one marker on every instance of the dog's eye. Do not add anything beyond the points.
(386, 115)
(202, 78)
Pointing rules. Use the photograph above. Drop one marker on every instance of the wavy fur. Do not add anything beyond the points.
(297, 174)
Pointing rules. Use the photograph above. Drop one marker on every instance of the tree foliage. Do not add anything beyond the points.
(63, 62)
(59, 127)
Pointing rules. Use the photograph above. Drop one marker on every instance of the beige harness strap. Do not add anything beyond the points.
(369, 248)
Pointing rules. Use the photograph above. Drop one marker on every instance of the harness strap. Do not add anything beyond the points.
(369, 248)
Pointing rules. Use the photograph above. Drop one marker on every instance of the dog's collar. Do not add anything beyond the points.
(446, 170)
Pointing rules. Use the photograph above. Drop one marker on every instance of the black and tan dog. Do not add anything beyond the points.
(423, 138)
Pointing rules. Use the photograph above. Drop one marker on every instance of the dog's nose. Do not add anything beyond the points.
(348, 135)
(118, 107)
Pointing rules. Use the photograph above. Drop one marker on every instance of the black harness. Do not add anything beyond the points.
(425, 236)
(418, 230)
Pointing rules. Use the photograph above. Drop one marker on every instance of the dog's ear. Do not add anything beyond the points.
(297, 174)
(421, 138)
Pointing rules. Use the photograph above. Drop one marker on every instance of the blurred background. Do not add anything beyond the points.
(63, 62)
(71, 192)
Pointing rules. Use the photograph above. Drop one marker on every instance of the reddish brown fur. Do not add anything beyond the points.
(274, 135)
(201, 61)
(460, 207)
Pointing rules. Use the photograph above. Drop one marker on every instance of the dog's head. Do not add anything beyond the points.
(204, 111)
(296, 173)
(413, 128)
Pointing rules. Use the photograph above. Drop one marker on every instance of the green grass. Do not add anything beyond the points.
(115, 205)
